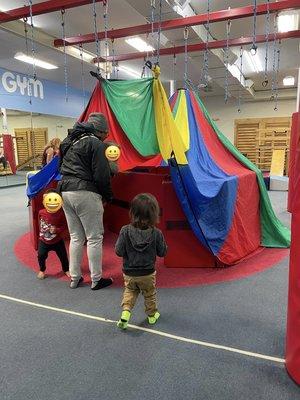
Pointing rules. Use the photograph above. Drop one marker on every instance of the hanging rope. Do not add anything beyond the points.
(63, 31)
(82, 74)
(266, 81)
(29, 91)
(105, 18)
(117, 67)
(113, 58)
(274, 50)
(204, 74)
(143, 74)
(186, 37)
(32, 40)
(153, 8)
(241, 77)
(152, 15)
(159, 32)
(97, 41)
(226, 60)
(174, 67)
(277, 76)
(34, 75)
(254, 46)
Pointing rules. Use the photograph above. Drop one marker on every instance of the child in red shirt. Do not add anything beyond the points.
(52, 225)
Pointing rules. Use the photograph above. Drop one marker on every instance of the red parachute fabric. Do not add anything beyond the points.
(244, 236)
(293, 318)
(130, 158)
(9, 151)
(295, 139)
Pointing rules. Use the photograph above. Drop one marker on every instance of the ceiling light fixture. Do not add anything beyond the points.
(254, 62)
(288, 81)
(288, 22)
(139, 44)
(129, 71)
(253, 49)
(75, 51)
(34, 61)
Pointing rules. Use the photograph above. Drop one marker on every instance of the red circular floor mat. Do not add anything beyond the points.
(166, 277)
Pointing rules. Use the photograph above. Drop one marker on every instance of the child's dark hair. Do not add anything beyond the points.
(52, 191)
(144, 211)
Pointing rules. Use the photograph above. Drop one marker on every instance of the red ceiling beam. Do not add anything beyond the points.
(215, 16)
(217, 44)
(41, 8)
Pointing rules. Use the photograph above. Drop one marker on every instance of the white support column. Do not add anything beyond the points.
(4, 120)
(172, 87)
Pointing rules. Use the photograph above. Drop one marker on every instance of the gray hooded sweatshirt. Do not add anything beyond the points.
(139, 248)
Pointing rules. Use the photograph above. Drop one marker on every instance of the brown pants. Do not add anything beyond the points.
(136, 284)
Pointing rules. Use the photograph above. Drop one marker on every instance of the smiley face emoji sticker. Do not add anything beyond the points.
(52, 202)
(112, 153)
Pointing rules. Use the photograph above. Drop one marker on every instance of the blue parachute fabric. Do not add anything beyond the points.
(39, 181)
(184, 201)
(207, 194)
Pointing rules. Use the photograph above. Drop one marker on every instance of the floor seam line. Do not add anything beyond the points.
(152, 331)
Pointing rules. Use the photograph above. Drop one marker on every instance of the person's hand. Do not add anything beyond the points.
(104, 203)
(52, 229)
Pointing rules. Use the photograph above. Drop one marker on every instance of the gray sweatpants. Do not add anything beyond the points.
(84, 214)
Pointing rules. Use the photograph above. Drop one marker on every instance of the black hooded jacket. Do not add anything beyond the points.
(139, 248)
(83, 164)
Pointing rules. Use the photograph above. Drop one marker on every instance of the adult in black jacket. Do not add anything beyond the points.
(85, 184)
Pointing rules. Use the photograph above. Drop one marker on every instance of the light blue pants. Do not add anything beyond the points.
(84, 214)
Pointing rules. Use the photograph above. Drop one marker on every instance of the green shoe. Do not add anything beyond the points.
(153, 318)
(123, 321)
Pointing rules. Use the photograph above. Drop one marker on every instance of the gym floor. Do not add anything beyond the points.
(219, 341)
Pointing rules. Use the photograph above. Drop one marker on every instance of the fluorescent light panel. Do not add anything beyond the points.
(75, 51)
(254, 62)
(288, 22)
(288, 81)
(34, 61)
(129, 71)
(139, 44)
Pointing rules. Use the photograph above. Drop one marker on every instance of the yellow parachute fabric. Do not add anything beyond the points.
(169, 139)
(182, 121)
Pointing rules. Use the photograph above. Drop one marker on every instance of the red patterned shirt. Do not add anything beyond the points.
(52, 226)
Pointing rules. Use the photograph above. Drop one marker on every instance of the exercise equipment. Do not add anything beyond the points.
(253, 49)
(267, 33)
(222, 194)
(277, 162)
(204, 73)
(97, 41)
(9, 151)
(241, 77)
(226, 60)
(293, 316)
(63, 32)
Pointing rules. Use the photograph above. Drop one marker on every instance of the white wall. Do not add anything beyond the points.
(225, 114)
(57, 126)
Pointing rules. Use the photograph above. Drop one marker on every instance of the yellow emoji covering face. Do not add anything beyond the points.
(52, 202)
(112, 153)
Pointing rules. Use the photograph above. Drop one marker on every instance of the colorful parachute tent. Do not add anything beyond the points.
(221, 192)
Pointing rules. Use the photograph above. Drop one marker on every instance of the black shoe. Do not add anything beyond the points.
(102, 284)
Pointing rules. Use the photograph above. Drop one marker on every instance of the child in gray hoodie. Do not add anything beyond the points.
(139, 243)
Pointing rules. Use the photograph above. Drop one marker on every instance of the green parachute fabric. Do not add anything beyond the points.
(132, 104)
(274, 233)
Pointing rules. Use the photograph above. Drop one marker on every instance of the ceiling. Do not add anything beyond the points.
(133, 12)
